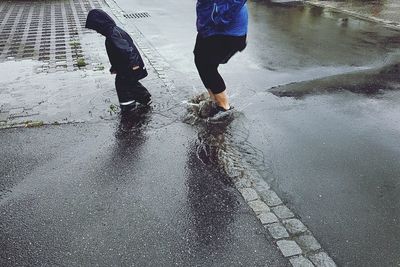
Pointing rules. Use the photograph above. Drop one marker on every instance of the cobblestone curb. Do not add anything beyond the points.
(386, 23)
(292, 237)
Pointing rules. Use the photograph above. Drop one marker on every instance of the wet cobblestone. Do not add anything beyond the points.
(283, 212)
(322, 260)
(308, 243)
(277, 231)
(300, 262)
(289, 248)
(267, 218)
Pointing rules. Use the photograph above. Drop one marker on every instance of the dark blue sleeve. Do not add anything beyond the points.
(125, 51)
(225, 12)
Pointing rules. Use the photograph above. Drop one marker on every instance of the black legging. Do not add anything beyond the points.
(211, 51)
(210, 76)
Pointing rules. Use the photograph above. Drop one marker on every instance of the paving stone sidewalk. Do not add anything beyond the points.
(57, 71)
(48, 31)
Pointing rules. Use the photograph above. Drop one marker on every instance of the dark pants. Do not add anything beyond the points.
(212, 51)
(129, 89)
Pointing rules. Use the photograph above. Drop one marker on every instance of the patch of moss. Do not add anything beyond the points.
(81, 62)
(34, 124)
(112, 109)
(74, 44)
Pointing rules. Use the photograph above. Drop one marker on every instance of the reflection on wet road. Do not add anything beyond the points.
(122, 195)
(300, 37)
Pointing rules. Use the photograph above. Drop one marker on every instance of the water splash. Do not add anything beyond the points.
(226, 146)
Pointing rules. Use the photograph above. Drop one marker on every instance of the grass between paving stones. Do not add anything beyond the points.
(81, 63)
(113, 109)
(24, 124)
(80, 60)
(34, 124)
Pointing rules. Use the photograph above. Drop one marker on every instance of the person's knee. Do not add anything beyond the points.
(217, 84)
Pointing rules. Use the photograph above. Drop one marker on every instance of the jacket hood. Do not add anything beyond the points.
(100, 21)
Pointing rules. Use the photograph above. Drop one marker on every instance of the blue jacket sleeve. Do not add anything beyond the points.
(223, 13)
(126, 52)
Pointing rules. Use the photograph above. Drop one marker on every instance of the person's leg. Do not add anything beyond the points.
(230, 45)
(213, 81)
(122, 88)
(211, 95)
(203, 57)
(222, 100)
(140, 93)
(217, 87)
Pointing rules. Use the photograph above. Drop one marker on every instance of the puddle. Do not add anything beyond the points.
(225, 144)
(369, 82)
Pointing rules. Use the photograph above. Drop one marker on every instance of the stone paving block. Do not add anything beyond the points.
(4, 116)
(49, 45)
(322, 260)
(258, 206)
(294, 226)
(289, 248)
(261, 185)
(283, 212)
(267, 218)
(300, 261)
(5, 106)
(242, 183)
(270, 197)
(277, 231)
(24, 114)
(308, 243)
(15, 111)
(249, 194)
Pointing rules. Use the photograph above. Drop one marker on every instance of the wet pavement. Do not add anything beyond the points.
(332, 155)
(124, 193)
(108, 190)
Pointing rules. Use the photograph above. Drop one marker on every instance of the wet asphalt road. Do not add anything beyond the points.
(129, 193)
(334, 157)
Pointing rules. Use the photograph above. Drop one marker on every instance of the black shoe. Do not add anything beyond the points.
(144, 99)
(128, 107)
(141, 94)
(220, 114)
